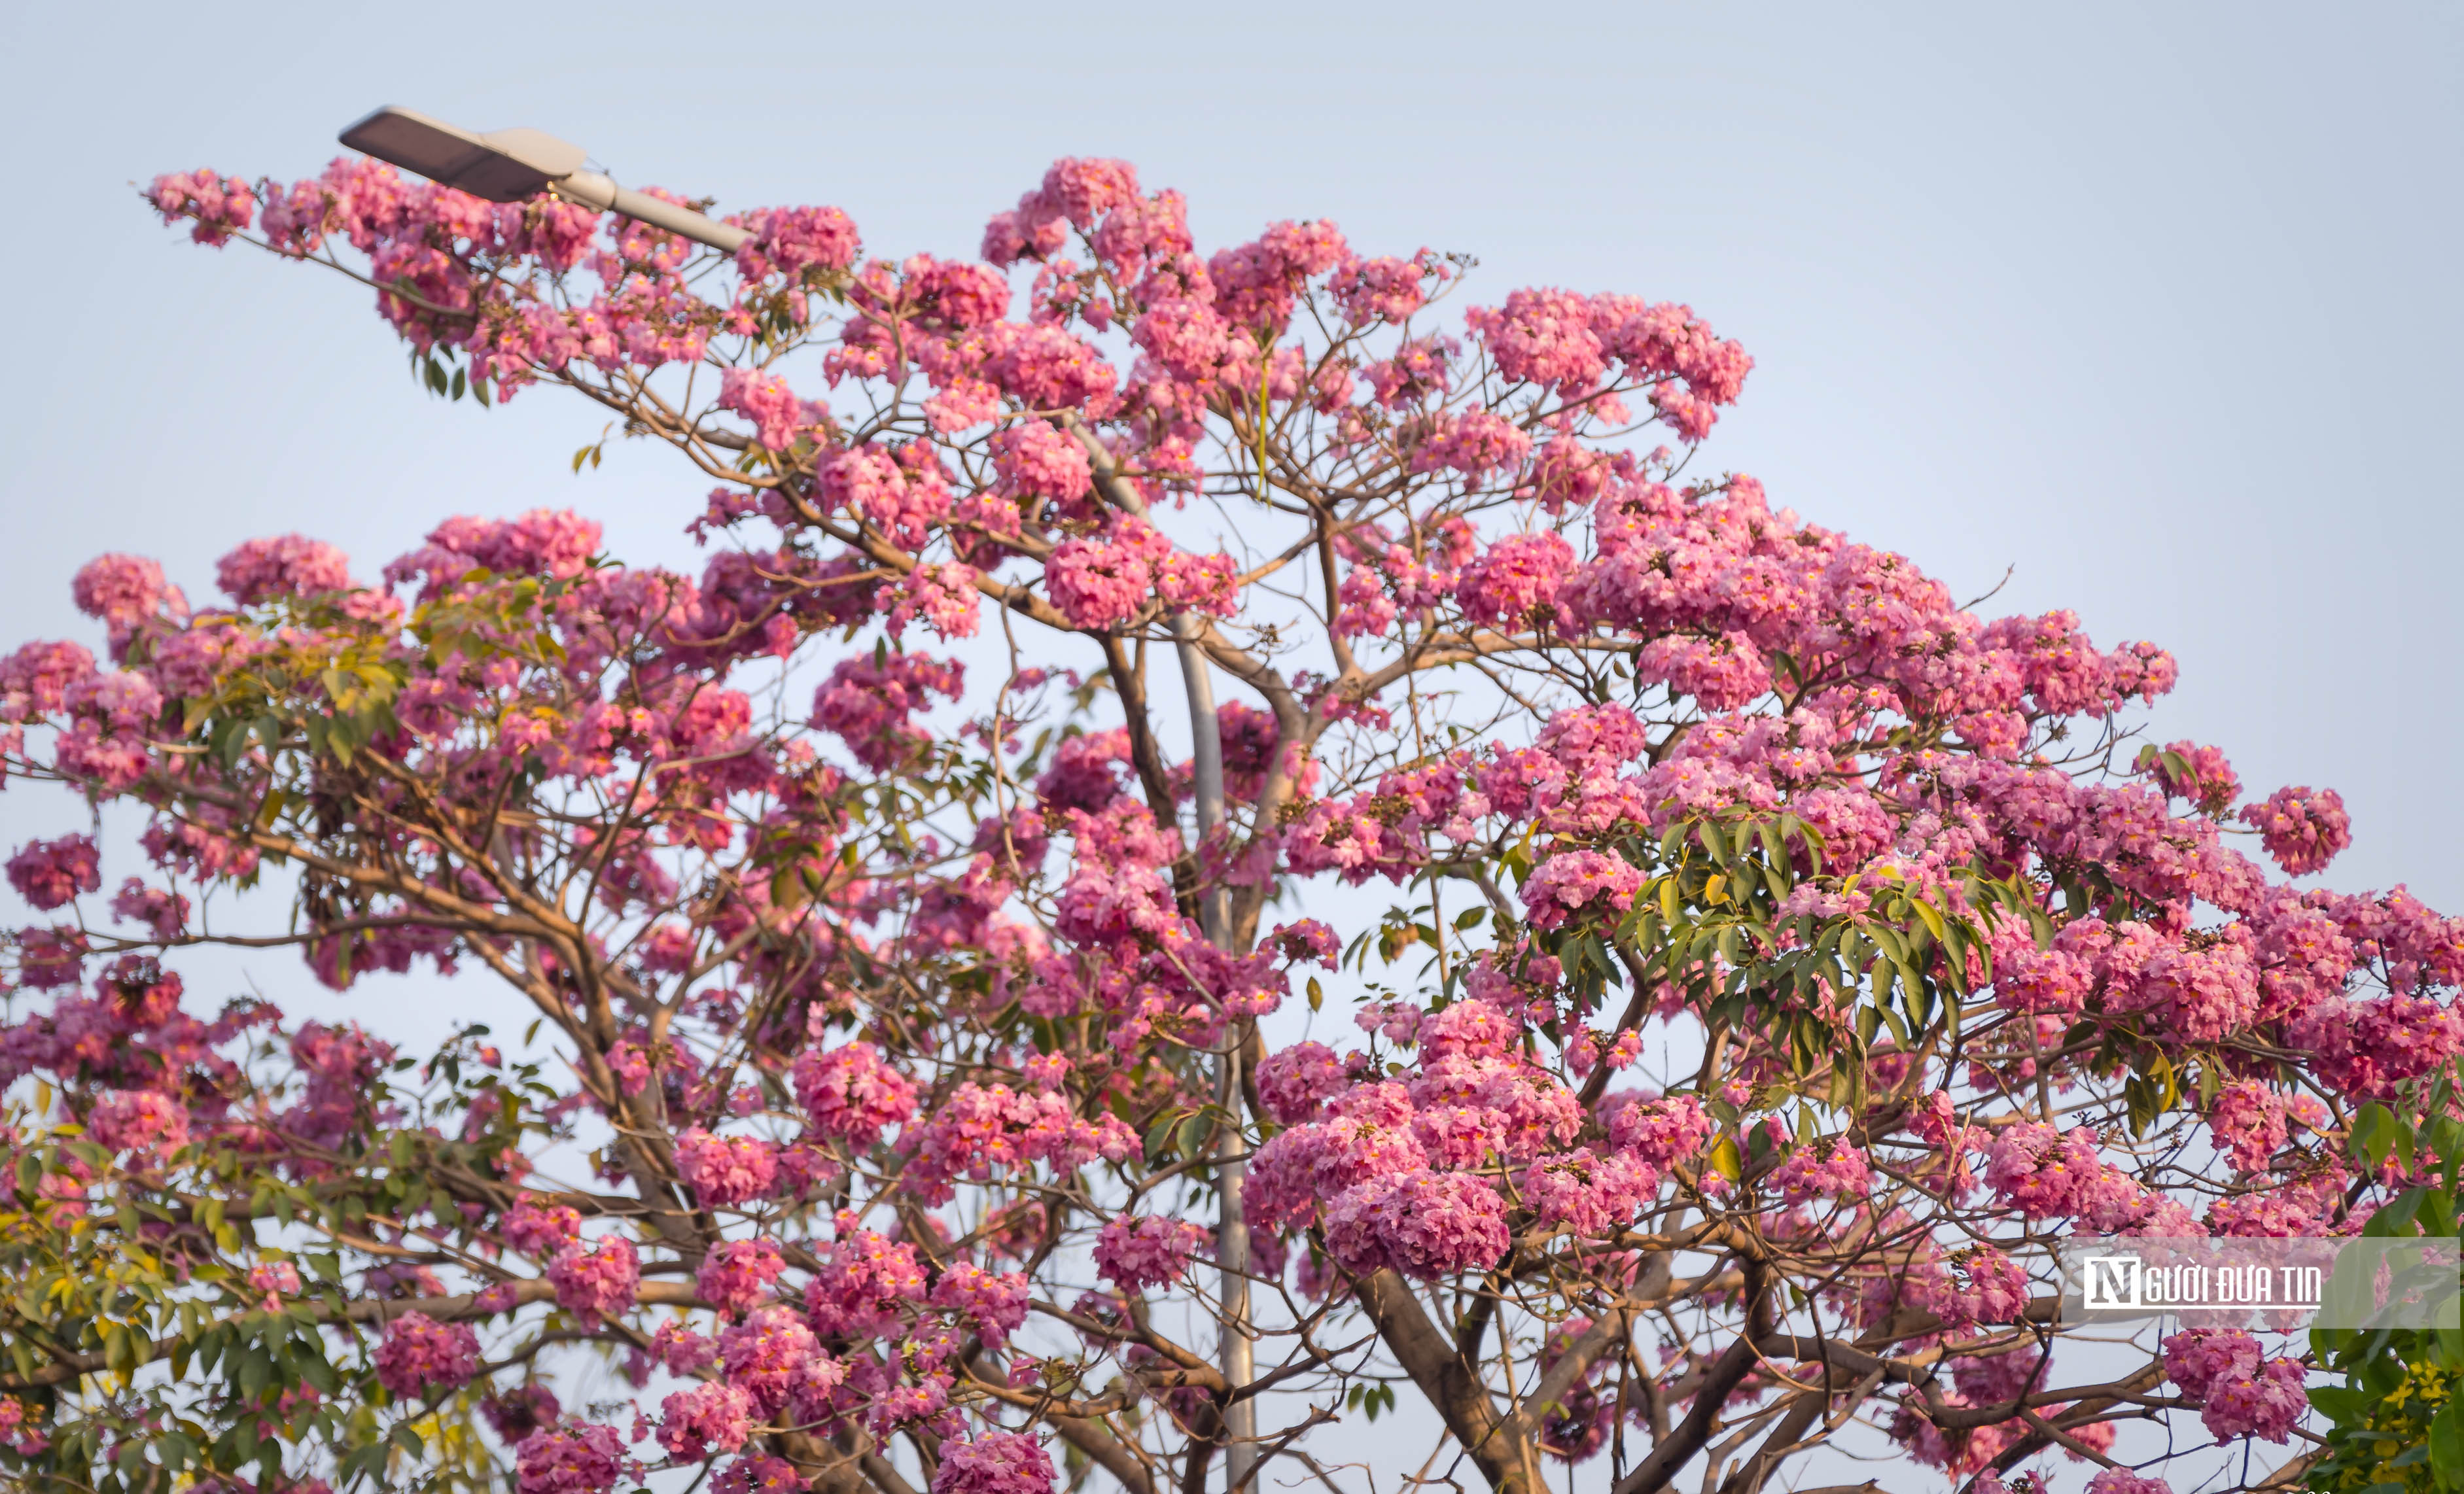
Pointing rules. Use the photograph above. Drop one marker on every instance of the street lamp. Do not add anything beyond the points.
(509, 166)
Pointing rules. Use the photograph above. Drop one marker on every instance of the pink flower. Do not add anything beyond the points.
(418, 1354)
(1198, 582)
(1475, 444)
(850, 1093)
(165, 915)
(1293, 1083)
(2302, 829)
(2249, 1119)
(1044, 368)
(19, 1430)
(994, 1302)
(2040, 1172)
(273, 1280)
(996, 1462)
(942, 596)
(859, 1290)
(1586, 1194)
(1515, 575)
(710, 1417)
(36, 680)
(124, 590)
(293, 565)
(1134, 1254)
(764, 399)
(2267, 1404)
(583, 1460)
(681, 1349)
(737, 1273)
(1573, 882)
(220, 206)
(50, 875)
(726, 1170)
(2121, 1481)
(769, 1355)
(2199, 1359)
(1723, 673)
(2209, 784)
(137, 1120)
(1385, 289)
(1659, 1132)
(1834, 1170)
(520, 1411)
(800, 244)
(1542, 335)
(1422, 1223)
(868, 704)
(2030, 979)
(596, 1281)
(1103, 580)
(540, 1229)
(1035, 459)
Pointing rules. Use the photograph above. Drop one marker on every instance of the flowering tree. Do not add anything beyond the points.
(1781, 953)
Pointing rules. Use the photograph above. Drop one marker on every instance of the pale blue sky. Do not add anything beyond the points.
(2156, 303)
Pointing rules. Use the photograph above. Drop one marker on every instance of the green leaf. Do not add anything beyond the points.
(2447, 1445)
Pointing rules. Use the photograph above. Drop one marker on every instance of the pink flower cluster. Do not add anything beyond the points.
(50, 875)
(2042, 1172)
(996, 1463)
(712, 1418)
(723, 1171)
(2243, 1392)
(220, 206)
(2302, 829)
(982, 1128)
(1295, 1083)
(737, 1274)
(1587, 1193)
(1136, 1253)
(1420, 1223)
(126, 591)
(850, 1094)
(293, 565)
(868, 704)
(1513, 578)
(139, 1121)
(1575, 882)
(1817, 1172)
(764, 399)
(1101, 582)
(596, 1282)
(418, 1354)
(540, 1229)
(582, 1460)
(994, 1302)
(1659, 1132)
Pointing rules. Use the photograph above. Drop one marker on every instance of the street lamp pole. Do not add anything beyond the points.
(511, 165)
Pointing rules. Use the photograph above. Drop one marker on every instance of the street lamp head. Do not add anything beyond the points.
(516, 166)
(505, 166)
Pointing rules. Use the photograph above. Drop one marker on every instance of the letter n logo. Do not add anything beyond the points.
(2112, 1282)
